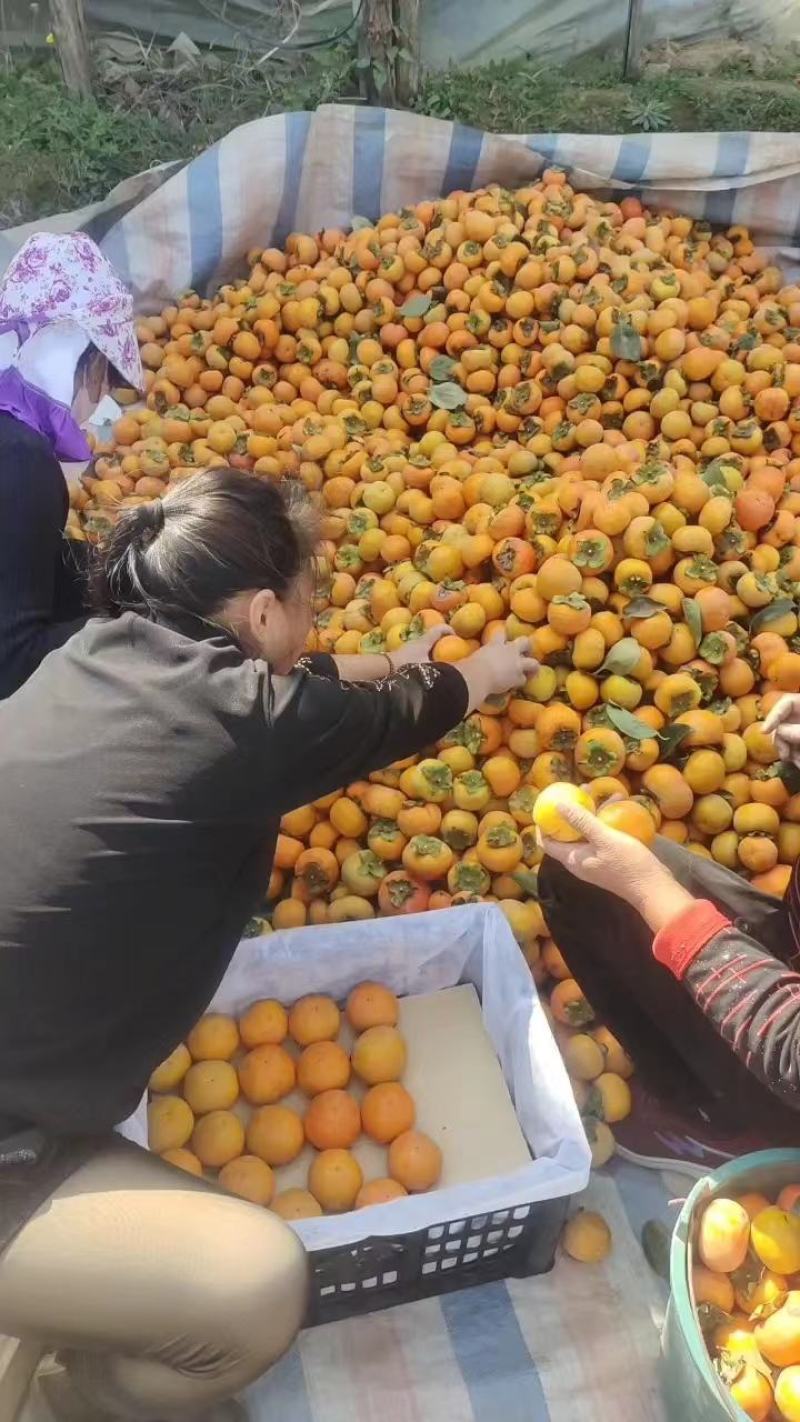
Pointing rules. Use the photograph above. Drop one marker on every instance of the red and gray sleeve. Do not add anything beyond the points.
(752, 999)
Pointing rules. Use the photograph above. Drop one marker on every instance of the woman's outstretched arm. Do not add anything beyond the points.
(324, 732)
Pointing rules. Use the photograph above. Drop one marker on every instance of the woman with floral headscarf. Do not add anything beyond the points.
(60, 303)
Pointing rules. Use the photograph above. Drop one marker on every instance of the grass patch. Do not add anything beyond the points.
(522, 96)
(59, 152)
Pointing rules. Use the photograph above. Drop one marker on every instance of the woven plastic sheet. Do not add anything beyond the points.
(190, 225)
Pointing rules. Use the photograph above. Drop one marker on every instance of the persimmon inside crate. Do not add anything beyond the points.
(489, 1087)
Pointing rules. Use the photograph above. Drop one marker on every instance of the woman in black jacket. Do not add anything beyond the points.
(143, 771)
(65, 317)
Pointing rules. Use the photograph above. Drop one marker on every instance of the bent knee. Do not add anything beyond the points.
(260, 1291)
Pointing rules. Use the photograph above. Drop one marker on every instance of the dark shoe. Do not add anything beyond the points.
(681, 1135)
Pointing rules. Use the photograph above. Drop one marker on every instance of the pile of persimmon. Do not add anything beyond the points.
(574, 420)
(746, 1290)
(224, 1104)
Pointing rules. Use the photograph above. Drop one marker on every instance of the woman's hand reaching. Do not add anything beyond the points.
(783, 724)
(497, 667)
(418, 649)
(619, 863)
(491, 671)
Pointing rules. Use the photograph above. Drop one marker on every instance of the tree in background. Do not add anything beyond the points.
(69, 28)
(389, 49)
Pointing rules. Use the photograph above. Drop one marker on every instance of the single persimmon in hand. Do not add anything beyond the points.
(546, 815)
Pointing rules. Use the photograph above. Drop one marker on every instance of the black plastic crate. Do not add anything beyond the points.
(382, 1271)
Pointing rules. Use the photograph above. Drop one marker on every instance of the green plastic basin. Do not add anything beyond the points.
(692, 1391)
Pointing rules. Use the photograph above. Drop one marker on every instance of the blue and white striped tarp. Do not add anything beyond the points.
(579, 1343)
(190, 225)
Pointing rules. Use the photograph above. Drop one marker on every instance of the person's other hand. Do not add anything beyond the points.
(617, 862)
(604, 857)
(505, 664)
(418, 649)
(783, 724)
